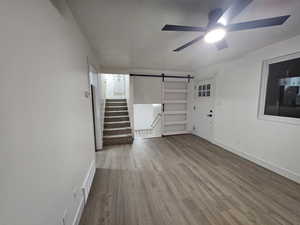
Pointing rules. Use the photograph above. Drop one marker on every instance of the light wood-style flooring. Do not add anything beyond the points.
(185, 180)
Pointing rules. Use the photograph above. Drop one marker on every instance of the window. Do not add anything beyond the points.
(208, 90)
(280, 89)
(200, 91)
(204, 90)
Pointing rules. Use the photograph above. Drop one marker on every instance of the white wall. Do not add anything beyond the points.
(46, 134)
(143, 116)
(272, 144)
(147, 90)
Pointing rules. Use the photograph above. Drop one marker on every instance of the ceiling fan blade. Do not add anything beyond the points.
(170, 27)
(221, 44)
(188, 44)
(234, 10)
(275, 21)
(214, 16)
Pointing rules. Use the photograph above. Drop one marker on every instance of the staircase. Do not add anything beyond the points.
(117, 128)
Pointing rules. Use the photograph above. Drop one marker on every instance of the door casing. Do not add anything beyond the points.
(203, 106)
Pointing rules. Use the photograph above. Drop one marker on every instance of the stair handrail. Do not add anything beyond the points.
(155, 121)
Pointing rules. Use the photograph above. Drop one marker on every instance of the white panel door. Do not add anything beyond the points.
(174, 110)
(203, 108)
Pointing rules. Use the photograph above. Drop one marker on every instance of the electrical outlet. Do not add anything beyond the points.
(87, 94)
(194, 127)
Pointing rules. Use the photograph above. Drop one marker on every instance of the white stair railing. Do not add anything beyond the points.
(155, 121)
(149, 131)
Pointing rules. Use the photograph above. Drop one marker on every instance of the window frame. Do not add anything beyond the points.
(204, 90)
(263, 90)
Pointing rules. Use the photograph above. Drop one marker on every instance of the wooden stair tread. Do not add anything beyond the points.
(127, 121)
(117, 136)
(119, 128)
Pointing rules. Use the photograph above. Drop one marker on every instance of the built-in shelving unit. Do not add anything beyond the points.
(175, 91)
(175, 112)
(175, 106)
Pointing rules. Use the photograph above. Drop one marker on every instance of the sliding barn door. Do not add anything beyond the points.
(174, 110)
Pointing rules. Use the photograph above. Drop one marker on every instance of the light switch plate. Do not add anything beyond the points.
(87, 94)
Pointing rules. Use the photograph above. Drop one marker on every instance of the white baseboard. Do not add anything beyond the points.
(78, 212)
(282, 171)
(86, 187)
(87, 184)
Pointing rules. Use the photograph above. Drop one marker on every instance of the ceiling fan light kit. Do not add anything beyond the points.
(219, 25)
(215, 35)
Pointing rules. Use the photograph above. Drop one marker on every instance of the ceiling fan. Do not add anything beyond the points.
(219, 25)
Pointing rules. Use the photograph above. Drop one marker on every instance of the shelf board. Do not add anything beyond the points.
(175, 102)
(175, 123)
(166, 133)
(180, 80)
(175, 90)
(175, 112)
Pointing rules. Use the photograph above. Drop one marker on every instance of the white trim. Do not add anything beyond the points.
(86, 186)
(175, 112)
(175, 123)
(175, 90)
(181, 80)
(175, 102)
(78, 212)
(282, 171)
(175, 132)
(263, 88)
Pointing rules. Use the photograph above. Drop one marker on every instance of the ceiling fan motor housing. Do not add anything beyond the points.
(213, 16)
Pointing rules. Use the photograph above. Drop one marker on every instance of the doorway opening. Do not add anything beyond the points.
(117, 120)
(116, 86)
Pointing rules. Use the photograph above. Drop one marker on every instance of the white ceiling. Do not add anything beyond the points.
(127, 33)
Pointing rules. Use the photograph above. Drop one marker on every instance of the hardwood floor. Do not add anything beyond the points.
(186, 180)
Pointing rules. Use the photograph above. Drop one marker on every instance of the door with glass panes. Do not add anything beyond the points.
(203, 108)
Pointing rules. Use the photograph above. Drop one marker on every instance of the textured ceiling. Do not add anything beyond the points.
(127, 34)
